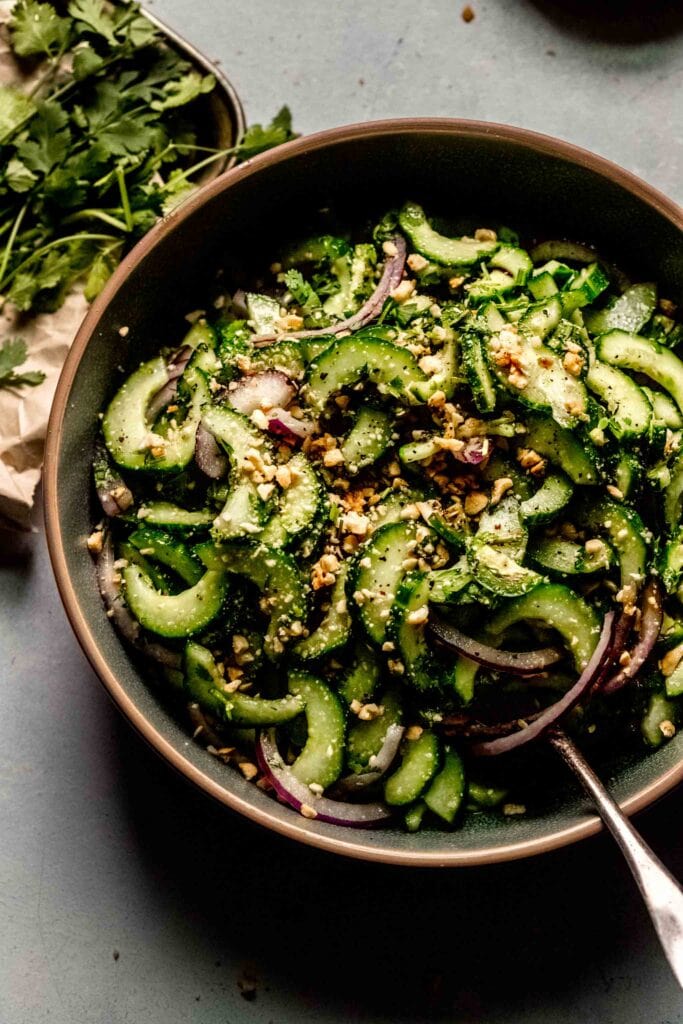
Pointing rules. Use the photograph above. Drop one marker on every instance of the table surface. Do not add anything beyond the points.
(126, 896)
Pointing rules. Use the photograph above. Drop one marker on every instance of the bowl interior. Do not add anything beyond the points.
(478, 172)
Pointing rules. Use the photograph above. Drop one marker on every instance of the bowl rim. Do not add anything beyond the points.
(291, 826)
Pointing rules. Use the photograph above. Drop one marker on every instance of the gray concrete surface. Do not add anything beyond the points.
(125, 896)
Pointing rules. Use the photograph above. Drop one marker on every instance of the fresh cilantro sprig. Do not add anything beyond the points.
(100, 148)
(13, 353)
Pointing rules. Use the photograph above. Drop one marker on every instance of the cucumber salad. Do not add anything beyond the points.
(397, 508)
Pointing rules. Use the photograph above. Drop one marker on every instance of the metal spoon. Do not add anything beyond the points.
(662, 894)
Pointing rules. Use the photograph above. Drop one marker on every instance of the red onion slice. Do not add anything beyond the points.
(590, 676)
(520, 663)
(298, 795)
(652, 613)
(175, 369)
(208, 456)
(380, 764)
(475, 451)
(283, 424)
(270, 389)
(390, 279)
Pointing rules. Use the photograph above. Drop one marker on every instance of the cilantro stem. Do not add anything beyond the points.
(94, 214)
(125, 201)
(83, 236)
(184, 175)
(10, 241)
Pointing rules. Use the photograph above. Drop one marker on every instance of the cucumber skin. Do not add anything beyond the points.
(421, 761)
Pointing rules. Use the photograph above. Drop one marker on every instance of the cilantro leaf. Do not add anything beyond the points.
(86, 62)
(301, 290)
(258, 139)
(183, 90)
(103, 267)
(91, 16)
(49, 138)
(18, 176)
(13, 353)
(37, 29)
(15, 107)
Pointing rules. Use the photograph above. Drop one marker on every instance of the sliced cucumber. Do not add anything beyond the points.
(301, 504)
(204, 684)
(674, 682)
(502, 527)
(377, 571)
(446, 791)
(494, 285)
(164, 513)
(495, 570)
(633, 352)
(552, 496)
(566, 558)
(450, 252)
(368, 439)
(671, 564)
(361, 678)
(276, 576)
(629, 312)
(628, 405)
(362, 357)
(420, 762)
(554, 605)
(659, 710)
(168, 550)
(665, 409)
(543, 317)
(477, 372)
(447, 585)
(624, 530)
(673, 494)
(584, 288)
(244, 512)
(321, 761)
(547, 385)
(542, 285)
(561, 447)
(174, 615)
(628, 474)
(422, 666)
(366, 738)
(414, 815)
(263, 312)
(514, 261)
(334, 630)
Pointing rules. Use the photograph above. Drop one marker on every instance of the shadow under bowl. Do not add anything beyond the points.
(489, 173)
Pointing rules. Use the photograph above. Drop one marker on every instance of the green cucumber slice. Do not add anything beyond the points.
(377, 570)
(174, 615)
(624, 530)
(275, 574)
(450, 252)
(420, 762)
(498, 572)
(366, 738)
(423, 667)
(334, 630)
(263, 312)
(559, 607)
(561, 447)
(477, 372)
(168, 550)
(552, 496)
(368, 439)
(447, 790)
(361, 357)
(566, 558)
(628, 405)
(204, 684)
(361, 678)
(543, 317)
(244, 512)
(659, 710)
(584, 288)
(633, 352)
(629, 312)
(173, 517)
(673, 494)
(671, 564)
(301, 504)
(321, 761)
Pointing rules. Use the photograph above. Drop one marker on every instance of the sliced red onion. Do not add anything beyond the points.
(298, 795)
(591, 676)
(208, 456)
(175, 369)
(380, 763)
(520, 663)
(390, 279)
(110, 589)
(652, 613)
(270, 389)
(113, 493)
(475, 451)
(283, 424)
(239, 303)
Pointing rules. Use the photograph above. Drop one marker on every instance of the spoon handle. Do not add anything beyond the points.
(662, 894)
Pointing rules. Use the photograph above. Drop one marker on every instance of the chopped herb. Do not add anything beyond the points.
(13, 353)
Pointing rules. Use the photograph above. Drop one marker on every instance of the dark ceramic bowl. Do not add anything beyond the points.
(547, 187)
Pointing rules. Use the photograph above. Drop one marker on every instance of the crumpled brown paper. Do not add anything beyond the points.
(24, 411)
